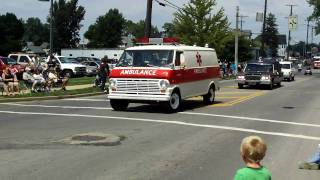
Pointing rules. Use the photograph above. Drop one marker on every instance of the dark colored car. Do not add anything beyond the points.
(5, 61)
(264, 72)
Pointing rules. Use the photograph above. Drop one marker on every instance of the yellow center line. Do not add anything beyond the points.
(239, 92)
(239, 100)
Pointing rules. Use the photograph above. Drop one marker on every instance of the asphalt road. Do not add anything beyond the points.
(199, 143)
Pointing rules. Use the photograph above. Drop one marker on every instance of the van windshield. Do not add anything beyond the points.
(146, 58)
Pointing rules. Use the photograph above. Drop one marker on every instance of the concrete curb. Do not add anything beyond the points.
(4, 100)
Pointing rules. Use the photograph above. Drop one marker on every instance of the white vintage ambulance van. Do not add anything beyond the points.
(164, 73)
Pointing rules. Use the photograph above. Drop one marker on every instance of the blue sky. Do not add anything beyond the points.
(135, 10)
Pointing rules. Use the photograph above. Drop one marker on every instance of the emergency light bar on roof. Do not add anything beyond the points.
(150, 41)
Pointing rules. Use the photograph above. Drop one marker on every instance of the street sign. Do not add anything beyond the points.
(293, 23)
(259, 17)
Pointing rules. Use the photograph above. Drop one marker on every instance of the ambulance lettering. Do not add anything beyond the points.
(138, 72)
(200, 71)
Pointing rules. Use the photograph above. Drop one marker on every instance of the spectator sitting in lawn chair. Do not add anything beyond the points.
(33, 80)
(10, 81)
(55, 77)
(3, 87)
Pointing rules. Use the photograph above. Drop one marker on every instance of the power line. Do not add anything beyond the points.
(172, 4)
(166, 4)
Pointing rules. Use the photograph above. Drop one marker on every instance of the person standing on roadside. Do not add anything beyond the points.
(51, 64)
(104, 72)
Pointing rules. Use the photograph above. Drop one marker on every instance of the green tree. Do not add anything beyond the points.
(107, 31)
(196, 23)
(270, 36)
(137, 29)
(67, 16)
(316, 13)
(11, 32)
(36, 31)
(245, 50)
(169, 29)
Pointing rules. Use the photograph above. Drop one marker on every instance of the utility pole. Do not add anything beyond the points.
(51, 27)
(236, 49)
(307, 41)
(312, 28)
(242, 21)
(147, 28)
(289, 37)
(264, 27)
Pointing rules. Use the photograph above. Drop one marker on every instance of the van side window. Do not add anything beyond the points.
(177, 62)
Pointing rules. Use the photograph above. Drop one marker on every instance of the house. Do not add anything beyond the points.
(30, 48)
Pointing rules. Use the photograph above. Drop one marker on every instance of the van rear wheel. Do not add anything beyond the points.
(208, 99)
(119, 105)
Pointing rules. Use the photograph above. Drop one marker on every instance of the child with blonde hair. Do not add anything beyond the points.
(253, 150)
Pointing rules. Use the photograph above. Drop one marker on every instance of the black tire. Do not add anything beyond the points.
(67, 73)
(240, 86)
(119, 105)
(174, 104)
(292, 78)
(279, 84)
(271, 85)
(208, 99)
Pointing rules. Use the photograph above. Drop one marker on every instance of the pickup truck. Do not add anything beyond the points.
(69, 66)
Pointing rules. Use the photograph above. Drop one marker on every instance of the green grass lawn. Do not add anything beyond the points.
(81, 80)
(55, 93)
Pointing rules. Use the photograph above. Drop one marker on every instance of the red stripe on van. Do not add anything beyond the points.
(174, 76)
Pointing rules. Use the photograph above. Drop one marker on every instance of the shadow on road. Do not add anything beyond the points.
(186, 105)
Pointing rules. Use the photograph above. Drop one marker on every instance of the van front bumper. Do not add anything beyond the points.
(137, 97)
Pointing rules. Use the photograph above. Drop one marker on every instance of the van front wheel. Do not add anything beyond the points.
(174, 102)
(208, 99)
(119, 105)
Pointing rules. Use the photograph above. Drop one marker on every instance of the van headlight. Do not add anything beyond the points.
(113, 84)
(265, 78)
(164, 84)
(241, 77)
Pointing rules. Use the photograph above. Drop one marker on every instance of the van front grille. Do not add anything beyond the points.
(138, 86)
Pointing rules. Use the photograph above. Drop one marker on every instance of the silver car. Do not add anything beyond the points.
(92, 67)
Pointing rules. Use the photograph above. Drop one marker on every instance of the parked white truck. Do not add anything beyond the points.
(69, 66)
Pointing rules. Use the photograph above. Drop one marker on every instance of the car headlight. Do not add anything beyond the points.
(113, 84)
(265, 78)
(241, 77)
(164, 84)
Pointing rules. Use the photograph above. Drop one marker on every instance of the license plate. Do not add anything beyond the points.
(252, 83)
